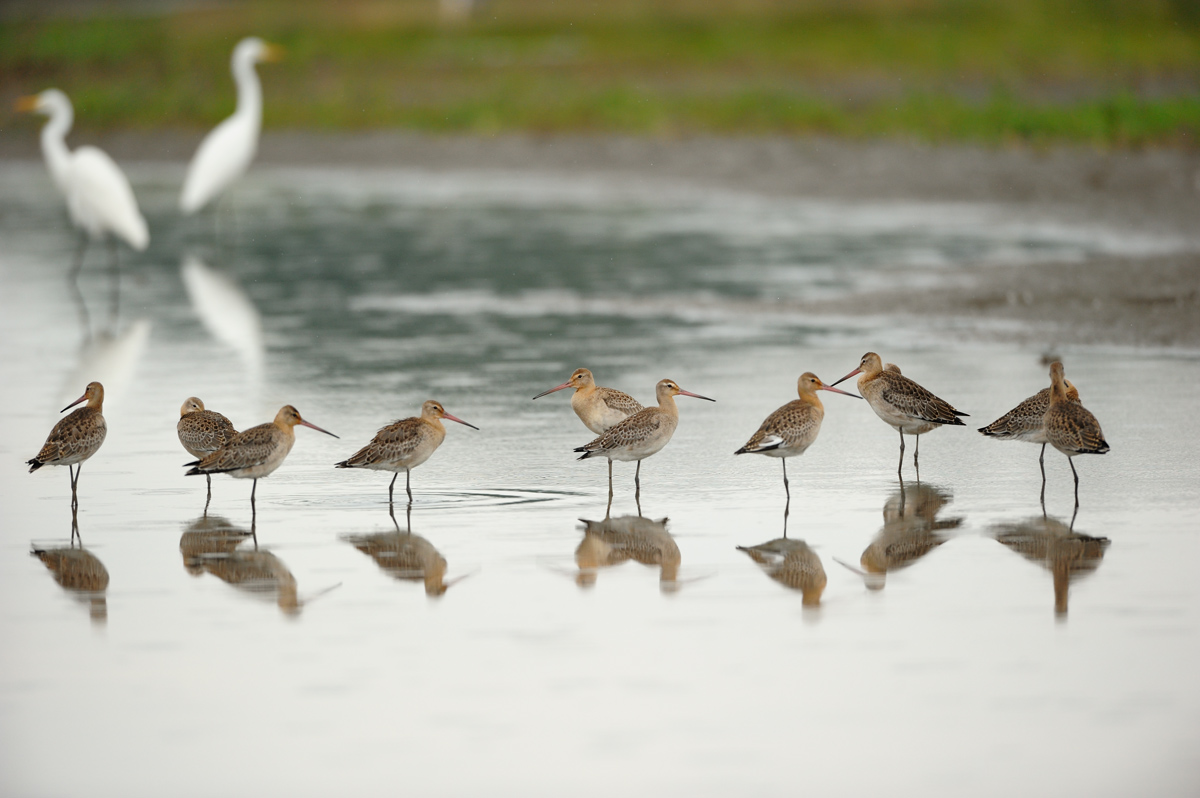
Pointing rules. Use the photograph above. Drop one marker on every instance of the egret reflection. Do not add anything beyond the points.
(227, 313)
(80, 573)
(1067, 554)
(627, 537)
(793, 564)
(407, 556)
(911, 530)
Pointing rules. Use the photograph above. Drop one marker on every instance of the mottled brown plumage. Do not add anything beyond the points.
(202, 431)
(403, 445)
(900, 402)
(791, 563)
(1027, 421)
(80, 573)
(628, 537)
(1070, 427)
(599, 408)
(406, 556)
(76, 437)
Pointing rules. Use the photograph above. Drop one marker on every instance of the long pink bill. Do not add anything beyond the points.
(318, 429)
(698, 396)
(824, 387)
(460, 421)
(566, 384)
(848, 376)
(77, 401)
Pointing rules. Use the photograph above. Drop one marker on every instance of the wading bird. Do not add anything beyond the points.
(902, 403)
(203, 432)
(403, 445)
(641, 435)
(1070, 427)
(225, 153)
(256, 452)
(1027, 422)
(599, 408)
(99, 200)
(75, 438)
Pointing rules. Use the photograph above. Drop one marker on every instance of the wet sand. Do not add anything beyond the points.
(1152, 300)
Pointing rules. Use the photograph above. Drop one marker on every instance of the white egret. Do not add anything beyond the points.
(99, 199)
(227, 151)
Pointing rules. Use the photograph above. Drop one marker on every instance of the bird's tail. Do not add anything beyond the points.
(34, 465)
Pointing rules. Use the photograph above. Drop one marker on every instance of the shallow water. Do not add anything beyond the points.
(332, 656)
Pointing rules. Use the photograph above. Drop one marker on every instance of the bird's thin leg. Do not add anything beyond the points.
(1076, 475)
(73, 282)
(115, 275)
(1073, 514)
(74, 495)
(901, 498)
(253, 509)
(900, 468)
(392, 513)
(1042, 465)
(787, 507)
(408, 484)
(786, 489)
(637, 484)
(208, 500)
(391, 485)
(916, 454)
(608, 510)
(408, 517)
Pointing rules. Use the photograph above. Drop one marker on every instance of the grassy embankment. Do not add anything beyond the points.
(1042, 71)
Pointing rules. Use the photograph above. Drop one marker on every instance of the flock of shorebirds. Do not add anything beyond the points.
(625, 429)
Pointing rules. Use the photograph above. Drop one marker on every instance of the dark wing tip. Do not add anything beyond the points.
(193, 472)
(343, 464)
(192, 463)
(34, 464)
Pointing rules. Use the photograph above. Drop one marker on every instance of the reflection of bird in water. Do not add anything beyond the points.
(599, 408)
(791, 429)
(75, 438)
(99, 199)
(225, 153)
(1070, 427)
(791, 563)
(403, 445)
(257, 572)
(79, 571)
(208, 535)
(628, 537)
(256, 452)
(902, 403)
(203, 432)
(910, 530)
(641, 435)
(227, 313)
(1068, 555)
(407, 556)
(1027, 422)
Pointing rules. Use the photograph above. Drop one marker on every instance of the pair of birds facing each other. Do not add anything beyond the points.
(626, 430)
(99, 198)
(1054, 416)
(400, 446)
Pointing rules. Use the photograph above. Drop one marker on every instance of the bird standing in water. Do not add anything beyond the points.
(403, 445)
(75, 438)
(1070, 427)
(640, 435)
(599, 408)
(791, 429)
(1027, 422)
(256, 452)
(902, 403)
(203, 432)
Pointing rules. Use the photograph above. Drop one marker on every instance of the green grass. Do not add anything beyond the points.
(1091, 71)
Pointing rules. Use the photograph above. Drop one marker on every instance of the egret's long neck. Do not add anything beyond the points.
(249, 90)
(54, 144)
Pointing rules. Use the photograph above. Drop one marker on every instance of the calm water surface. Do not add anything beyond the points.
(976, 646)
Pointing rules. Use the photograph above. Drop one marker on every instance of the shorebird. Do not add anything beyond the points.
(225, 153)
(81, 573)
(403, 445)
(791, 563)
(1027, 422)
(203, 432)
(256, 452)
(791, 429)
(1070, 428)
(901, 403)
(99, 199)
(641, 435)
(75, 438)
(599, 408)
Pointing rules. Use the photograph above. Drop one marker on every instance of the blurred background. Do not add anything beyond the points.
(1101, 72)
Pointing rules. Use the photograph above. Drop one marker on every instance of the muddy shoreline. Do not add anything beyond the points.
(1153, 300)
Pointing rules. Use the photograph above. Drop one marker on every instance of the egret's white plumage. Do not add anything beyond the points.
(99, 199)
(225, 154)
